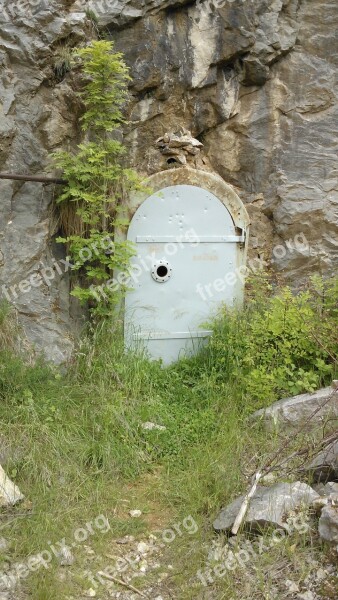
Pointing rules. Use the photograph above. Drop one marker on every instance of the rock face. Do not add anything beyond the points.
(268, 507)
(292, 412)
(37, 115)
(254, 81)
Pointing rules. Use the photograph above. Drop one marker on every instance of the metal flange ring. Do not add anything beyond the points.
(161, 271)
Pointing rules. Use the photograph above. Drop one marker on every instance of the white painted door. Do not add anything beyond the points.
(186, 242)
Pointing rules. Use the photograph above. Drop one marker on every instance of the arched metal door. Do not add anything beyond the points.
(186, 242)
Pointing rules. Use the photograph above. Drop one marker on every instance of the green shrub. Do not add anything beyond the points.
(278, 345)
(97, 180)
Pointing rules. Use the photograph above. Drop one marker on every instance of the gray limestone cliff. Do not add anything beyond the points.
(254, 80)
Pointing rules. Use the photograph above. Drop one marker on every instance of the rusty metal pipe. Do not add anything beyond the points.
(36, 178)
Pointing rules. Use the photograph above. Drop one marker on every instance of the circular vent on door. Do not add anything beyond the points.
(161, 271)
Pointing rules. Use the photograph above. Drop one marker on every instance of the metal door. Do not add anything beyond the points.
(186, 241)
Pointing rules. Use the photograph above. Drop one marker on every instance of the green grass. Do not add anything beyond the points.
(77, 448)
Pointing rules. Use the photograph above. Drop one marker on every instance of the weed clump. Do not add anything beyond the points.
(279, 345)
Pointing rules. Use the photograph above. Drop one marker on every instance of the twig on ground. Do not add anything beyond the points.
(245, 504)
(121, 582)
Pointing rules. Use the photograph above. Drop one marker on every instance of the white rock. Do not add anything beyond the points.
(291, 586)
(144, 566)
(268, 507)
(306, 596)
(143, 548)
(9, 492)
(269, 478)
(65, 556)
(325, 464)
(330, 488)
(91, 593)
(135, 513)
(321, 574)
(319, 503)
(328, 524)
(149, 426)
(291, 412)
(3, 544)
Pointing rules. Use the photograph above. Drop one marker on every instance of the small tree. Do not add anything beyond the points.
(97, 179)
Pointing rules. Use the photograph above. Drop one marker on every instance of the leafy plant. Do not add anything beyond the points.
(279, 345)
(97, 179)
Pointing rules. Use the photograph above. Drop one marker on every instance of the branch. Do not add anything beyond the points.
(245, 504)
(123, 583)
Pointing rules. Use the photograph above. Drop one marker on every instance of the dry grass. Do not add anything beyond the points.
(9, 327)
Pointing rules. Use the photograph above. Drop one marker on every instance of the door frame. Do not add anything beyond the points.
(202, 179)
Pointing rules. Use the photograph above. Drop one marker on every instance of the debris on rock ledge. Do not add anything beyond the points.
(179, 147)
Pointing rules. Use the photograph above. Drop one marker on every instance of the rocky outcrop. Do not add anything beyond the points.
(269, 506)
(37, 115)
(253, 81)
(180, 148)
(309, 409)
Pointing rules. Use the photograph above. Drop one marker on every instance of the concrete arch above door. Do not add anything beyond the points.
(202, 179)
